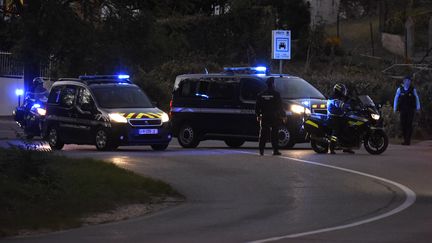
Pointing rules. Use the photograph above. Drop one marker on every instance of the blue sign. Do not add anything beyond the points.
(281, 44)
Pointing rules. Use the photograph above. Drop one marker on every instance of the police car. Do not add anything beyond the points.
(106, 111)
(221, 106)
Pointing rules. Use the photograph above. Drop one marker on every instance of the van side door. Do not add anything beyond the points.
(249, 90)
(223, 108)
(85, 115)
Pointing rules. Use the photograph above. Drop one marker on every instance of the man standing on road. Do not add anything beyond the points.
(271, 115)
(406, 101)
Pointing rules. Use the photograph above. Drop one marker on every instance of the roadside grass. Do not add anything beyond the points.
(42, 191)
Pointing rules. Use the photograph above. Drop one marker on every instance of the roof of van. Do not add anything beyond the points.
(201, 75)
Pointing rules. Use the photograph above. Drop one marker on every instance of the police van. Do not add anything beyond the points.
(106, 111)
(221, 106)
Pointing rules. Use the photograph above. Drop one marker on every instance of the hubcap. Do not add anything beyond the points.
(101, 139)
(284, 137)
(376, 142)
(187, 135)
(53, 137)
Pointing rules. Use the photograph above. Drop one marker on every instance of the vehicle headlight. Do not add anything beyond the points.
(41, 111)
(165, 117)
(375, 116)
(298, 109)
(116, 117)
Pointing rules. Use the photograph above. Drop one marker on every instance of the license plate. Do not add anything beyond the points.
(147, 131)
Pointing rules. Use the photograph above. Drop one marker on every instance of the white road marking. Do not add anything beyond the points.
(409, 200)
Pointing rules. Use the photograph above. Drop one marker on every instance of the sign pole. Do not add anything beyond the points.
(281, 46)
(280, 67)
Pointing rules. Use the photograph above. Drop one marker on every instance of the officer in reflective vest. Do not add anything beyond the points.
(406, 101)
(271, 115)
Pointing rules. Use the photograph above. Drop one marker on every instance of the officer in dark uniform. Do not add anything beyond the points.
(271, 115)
(406, 101)
(336, 107)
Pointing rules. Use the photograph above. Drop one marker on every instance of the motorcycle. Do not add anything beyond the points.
(30, 116)
(364, 124)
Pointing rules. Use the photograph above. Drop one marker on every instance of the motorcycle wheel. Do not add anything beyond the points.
(376, 142)
(319, 148)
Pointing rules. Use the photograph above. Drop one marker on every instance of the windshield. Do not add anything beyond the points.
(117, 96)
(366, 100)
(296, 88)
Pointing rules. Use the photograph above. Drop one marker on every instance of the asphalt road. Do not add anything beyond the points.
(234, 195)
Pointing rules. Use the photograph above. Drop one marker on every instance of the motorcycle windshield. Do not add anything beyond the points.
(366, 100)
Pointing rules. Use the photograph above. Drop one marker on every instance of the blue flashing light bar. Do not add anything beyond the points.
(123, 76)
(260, 70)
(19, 92)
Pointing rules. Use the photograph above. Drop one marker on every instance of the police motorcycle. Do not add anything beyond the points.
(364, 124)
(30, 115)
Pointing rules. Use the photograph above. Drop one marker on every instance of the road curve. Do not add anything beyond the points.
(238, 197)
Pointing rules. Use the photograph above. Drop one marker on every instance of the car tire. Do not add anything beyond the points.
(319, 148)
(188, 136)
(234, 142)
(103, 140)
(54, 140)
(285, 140)
(159, 147)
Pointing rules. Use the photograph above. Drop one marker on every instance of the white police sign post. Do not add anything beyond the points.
(281, 46)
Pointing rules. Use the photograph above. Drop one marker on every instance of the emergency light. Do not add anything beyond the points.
(123, 76)
(19, 92)
(247, 70)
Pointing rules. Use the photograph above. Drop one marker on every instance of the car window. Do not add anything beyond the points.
(119, 96)
(54, 96)
(250, 88)
(188, 87)
(67, 96)
(84, 99)
(203, 87)
(296, 88)
(224, 89)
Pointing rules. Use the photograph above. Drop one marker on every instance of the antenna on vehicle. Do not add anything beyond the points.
(205, 70)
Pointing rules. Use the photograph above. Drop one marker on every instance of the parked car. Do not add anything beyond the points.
(221, 106)
(106, 111)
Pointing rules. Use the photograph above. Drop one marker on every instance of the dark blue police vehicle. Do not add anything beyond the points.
(221, 106)
(106, 111)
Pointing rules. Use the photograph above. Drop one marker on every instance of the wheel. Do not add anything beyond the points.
(285, 140)
(188, 137)
(319, 148)
(103, 141)
(234, 142)
(54, 140)
(159, 147)
(376, 142)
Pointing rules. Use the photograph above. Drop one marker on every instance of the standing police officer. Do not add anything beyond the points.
(406, 101)
(270, 114)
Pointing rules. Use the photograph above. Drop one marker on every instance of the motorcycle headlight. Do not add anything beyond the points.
(375, 116)
(116, 117)
(165, 117)
(298, 109)
(41, 111)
